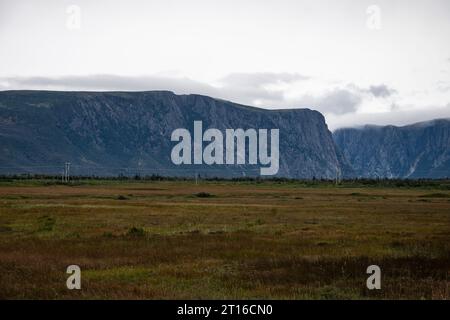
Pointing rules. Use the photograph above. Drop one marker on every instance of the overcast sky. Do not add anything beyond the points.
(356, 61)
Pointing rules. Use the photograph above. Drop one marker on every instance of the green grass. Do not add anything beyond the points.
(237, 240)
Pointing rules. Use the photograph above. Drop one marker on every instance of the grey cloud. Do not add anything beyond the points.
(443, 86)
(261, 78)
(343, 100)
(338, 104)
(337, 101)
(394, 117)
(381, 91)
(109, 83)
(251, 87)
(245, 88)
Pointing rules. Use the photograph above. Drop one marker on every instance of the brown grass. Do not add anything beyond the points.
(159, 240)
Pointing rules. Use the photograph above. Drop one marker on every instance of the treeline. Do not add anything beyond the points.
(357, 182)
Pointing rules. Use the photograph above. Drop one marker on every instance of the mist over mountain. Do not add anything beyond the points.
(111, 133)
(420, 150)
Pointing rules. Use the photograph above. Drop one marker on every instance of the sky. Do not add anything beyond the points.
(356, 61)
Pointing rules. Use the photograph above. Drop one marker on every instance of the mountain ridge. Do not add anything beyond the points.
(132, 130)
(128, 132)
(414, 124)
(418, 150)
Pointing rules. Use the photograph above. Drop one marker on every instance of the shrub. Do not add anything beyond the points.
(46, 223)
(136, 232)
(204, 195)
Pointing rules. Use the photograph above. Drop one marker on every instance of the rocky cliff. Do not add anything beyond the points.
(420, 150)
(111, 133)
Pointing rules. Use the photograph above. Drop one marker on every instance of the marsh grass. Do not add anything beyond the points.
(261, 240)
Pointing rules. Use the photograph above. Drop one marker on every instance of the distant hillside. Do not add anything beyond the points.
(420, 150)
(111, 133)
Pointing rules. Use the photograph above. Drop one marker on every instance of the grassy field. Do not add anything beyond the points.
(216, 240)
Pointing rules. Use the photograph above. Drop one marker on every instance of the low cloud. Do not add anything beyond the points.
(261, 79)
(336, 101)
(443, 86)
(342, 105)
(396, 117)
(263, 88)
(245, 88)
(105, 82)
(348, 99)
(382, 91)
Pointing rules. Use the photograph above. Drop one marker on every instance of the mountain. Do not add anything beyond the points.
(111, 133)
(420, 150)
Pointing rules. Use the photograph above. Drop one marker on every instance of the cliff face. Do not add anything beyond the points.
(110, 133)
(421, 150)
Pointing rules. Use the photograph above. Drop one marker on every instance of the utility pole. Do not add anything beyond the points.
(66, 172)
(338, 175)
